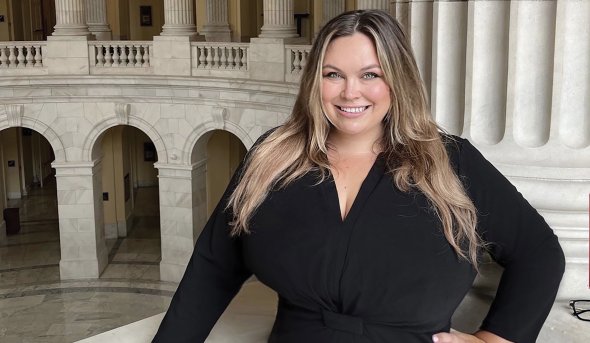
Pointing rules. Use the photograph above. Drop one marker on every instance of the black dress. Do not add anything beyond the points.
(384, 274)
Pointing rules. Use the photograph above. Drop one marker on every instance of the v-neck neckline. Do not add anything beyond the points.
(367, 186)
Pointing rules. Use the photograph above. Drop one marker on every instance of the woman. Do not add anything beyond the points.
(364, 217)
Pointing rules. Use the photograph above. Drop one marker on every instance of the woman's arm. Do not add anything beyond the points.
(460, 337)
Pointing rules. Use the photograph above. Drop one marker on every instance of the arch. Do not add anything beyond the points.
(206, 127)
(89, 146)
(44, 130)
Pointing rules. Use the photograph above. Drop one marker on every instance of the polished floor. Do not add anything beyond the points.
(35, 306)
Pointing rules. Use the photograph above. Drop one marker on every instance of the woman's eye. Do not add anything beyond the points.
(332, 75)
(370, 75)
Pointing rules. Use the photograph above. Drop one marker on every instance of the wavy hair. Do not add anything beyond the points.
(412, 142)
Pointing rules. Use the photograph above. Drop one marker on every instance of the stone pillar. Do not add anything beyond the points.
(373, 4)
(179, 231)
(217, 28)
(70, 18)
(448, 64)
(278, 19)
(79, 201)
(96, 18)
(487, 70)
(331, 8)
(531, 51)
(179, 18)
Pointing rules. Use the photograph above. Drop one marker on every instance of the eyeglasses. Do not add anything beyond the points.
(581, 309)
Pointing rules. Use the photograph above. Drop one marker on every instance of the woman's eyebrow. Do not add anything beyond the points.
(372, 66)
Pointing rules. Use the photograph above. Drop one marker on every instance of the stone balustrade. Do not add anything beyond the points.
(132, 56)
(220, 59)
(21, 58)
(296, 58)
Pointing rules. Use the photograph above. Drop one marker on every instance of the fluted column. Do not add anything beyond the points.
(373, 4)
(530, 80)
(487, 70)
(331, 9)
(217, 28)
(96, 18)
(278, 19)
(70, 18)
(179, 18)
(448, 64)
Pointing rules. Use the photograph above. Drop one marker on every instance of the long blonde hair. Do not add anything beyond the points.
(412, 142)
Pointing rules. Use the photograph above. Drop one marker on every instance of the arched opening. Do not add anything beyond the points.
(219, 154)
(130, 203)
(28, 199)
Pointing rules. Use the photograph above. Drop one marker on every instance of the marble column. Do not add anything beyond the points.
(179, 18)
(373, 4)
(278, 19)
(487, 70)
(331, 8)
(531, 51)
(448, 64)
(179, 229)
(81, 226)
(217, 28)
(96, 18)
(70, 18)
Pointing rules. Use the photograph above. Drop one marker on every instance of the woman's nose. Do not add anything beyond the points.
(351, 89)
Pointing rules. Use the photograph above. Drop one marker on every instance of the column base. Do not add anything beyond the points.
(216, 33)
(82, 269)
(278, 32)
(80, 30)
(101, 31)
(171, 272)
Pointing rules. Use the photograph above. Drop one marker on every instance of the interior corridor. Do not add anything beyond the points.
(35, 306)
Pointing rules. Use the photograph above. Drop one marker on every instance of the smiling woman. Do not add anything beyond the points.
(363, 215)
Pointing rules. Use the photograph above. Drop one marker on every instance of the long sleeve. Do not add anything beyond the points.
(213, 277)
(519, 240)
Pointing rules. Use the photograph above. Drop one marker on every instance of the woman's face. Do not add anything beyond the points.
(355, 95)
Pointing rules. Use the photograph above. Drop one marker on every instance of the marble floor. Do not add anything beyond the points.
(35, 306)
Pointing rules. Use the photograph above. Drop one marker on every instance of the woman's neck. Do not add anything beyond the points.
(349, 145)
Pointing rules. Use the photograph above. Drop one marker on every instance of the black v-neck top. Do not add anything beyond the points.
(383, 274)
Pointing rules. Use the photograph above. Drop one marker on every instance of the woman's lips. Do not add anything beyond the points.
(352, 111)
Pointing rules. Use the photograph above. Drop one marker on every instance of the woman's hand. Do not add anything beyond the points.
(460, 337)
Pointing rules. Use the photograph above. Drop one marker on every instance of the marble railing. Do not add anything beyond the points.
(220, 59)
(296, 58)
(132, 56)
(21, 58)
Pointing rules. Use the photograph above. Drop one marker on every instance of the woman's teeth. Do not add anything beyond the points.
(353, 109)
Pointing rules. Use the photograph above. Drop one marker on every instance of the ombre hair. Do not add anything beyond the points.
(412, 143)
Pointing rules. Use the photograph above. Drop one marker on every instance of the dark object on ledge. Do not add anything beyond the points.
(12, 219)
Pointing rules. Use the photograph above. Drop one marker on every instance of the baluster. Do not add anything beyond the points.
(131, 56)
(209, 57)
(230, 58)
(303, 58)
(99, 56)
(216, 58)
(38, 56)
(107, 56)
(20, 57)
(3, 58)
(137, 55)
(223, 58)
(201, 52)
(11, 57)
(29, 57)
(123, 55)
(116, 58)
(296, 63)
(146, 55)
(244, 60)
